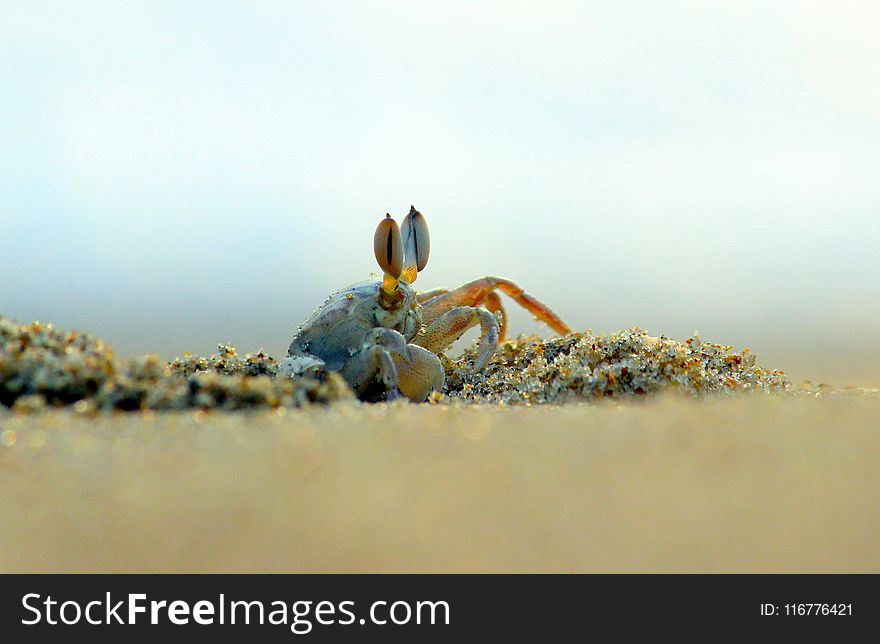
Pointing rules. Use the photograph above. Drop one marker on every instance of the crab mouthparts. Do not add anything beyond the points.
(390, 294)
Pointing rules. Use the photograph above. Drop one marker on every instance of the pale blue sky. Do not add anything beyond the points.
(173, 174)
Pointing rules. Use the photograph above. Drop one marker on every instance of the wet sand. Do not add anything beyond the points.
(741, 483)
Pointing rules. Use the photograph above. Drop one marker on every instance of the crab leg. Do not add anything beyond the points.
(364, 366)
(477, 292)
(494, 305)
(384, 347)
(450, 326)
(424, 296)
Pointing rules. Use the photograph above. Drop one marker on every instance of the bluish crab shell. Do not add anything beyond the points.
(338, 328)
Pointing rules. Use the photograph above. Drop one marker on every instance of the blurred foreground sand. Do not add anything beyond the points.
(746, 483)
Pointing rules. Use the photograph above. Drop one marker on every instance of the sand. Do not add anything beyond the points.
(747, 483)
(665, 456)
(41, 366)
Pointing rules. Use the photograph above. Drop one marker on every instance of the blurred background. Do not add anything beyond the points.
(174, 174)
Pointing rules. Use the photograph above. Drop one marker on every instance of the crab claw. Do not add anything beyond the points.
(393, 341)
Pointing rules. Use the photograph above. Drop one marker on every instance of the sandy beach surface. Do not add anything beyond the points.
(748, 482)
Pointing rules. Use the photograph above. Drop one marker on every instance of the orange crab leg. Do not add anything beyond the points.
(494, 305)
(476, 293)
(424, 296)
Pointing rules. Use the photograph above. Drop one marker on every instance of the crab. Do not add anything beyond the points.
(384, 338)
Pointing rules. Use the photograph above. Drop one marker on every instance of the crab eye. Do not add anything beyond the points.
(416, 244)
(388, 247)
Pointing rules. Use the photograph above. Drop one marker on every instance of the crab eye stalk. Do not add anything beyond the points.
(416, 244)
(388, 247)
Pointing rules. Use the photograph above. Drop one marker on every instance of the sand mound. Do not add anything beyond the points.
(41, 365)
(581, 366)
